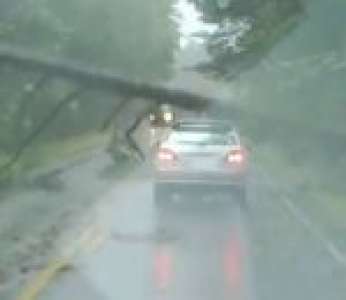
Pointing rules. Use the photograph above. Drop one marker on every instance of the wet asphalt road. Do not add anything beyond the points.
(204, 251)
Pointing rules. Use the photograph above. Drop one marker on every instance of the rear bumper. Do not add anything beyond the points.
(213, 179)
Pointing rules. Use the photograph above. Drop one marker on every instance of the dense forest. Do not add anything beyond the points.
(284, 61)
(129, 38)
(286, 67)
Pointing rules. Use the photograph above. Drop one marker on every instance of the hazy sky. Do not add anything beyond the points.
(189, 21)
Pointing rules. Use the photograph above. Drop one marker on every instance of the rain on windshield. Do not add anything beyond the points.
(100, 197)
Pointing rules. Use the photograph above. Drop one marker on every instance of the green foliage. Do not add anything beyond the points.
(296, 99)
(132, 38)
(247, 30)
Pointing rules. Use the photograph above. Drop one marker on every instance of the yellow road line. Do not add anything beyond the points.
(34, 288)
(91, 240)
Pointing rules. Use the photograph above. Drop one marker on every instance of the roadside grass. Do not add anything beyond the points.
(307, 183)
(45, 155)
(23, 252)
(68, 149)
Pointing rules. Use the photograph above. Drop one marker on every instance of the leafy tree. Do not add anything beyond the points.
(246, 31)
(296, 97)
(131, 38)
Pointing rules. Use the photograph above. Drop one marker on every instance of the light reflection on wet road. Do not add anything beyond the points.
(194, 252)
(199, 252)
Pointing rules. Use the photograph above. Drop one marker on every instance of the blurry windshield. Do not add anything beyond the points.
(172, 149)
(201, 139)
(203, 126)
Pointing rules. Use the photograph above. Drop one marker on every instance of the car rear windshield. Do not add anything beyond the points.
(202, 139)
(216, 127)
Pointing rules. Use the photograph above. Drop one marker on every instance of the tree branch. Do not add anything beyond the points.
(24, 101)
(39, 129)
(129, 132)
(102, 79)
(115, 112)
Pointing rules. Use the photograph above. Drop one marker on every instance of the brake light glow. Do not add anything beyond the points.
(236, 156)
(163, 267)
(166, 155)
(168, 116)
(234, 262)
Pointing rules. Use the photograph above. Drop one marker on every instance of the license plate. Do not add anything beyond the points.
(205, 165)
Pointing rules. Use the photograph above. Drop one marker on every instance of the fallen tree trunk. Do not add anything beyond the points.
(101, 79)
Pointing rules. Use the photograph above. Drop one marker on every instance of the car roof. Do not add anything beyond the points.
(203, 125)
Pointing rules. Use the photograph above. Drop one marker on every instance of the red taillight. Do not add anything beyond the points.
(234, 262)
(236, 156)
(163, 267)
(166, 155)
